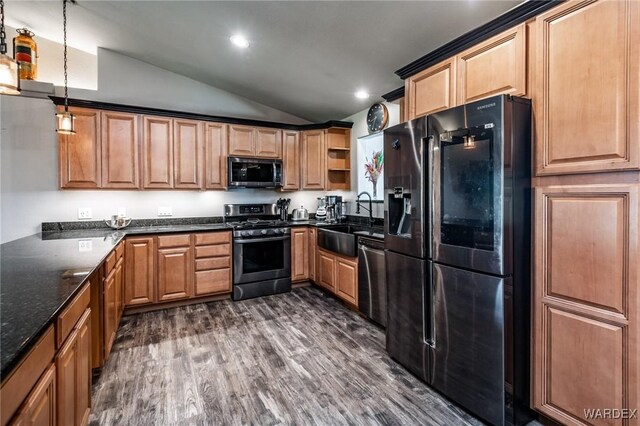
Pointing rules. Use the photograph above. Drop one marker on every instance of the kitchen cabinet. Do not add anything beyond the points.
(327, 270)
(40, 408)
(495, 66)
(110, 312)
(139, 271)
(175, 267)
(314, 159)
(215, 156)
(241, 141)
(73, 375)
(246, 141)
(338, 159)
(346, 279)
(119, 144)
(291, 160)
(79, 155)
(587, 89)
(119, 284)
(431, 90)
(268, 143)
(312, 253)
(213, 263)
(586, 300)
(157, 152)
(299, 254)
(187, 153)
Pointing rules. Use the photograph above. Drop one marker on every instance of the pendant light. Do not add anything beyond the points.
(65, 119)
(9, 69)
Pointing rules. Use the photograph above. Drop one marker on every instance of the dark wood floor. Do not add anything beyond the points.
(296, 358)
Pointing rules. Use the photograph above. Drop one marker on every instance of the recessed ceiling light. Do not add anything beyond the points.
(239, 41)
(361, 94)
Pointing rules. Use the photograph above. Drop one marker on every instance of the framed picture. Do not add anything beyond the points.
(370, 165)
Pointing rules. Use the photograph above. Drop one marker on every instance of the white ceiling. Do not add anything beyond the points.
(306, 57)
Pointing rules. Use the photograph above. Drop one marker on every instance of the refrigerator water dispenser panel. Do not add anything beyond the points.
(400, 214)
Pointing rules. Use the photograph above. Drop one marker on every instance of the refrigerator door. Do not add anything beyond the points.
(406, 281)
(470, 186)
(405, 174)
(468, 350)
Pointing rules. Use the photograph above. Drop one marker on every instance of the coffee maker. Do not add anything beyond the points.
(335, 211)
(321, 212)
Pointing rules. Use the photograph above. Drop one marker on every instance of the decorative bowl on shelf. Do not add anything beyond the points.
(118, 222)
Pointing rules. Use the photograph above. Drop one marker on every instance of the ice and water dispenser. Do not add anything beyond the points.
(399, 203)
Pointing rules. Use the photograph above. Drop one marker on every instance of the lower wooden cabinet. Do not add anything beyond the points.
(40, 407)
(313, 241)
(299, 254)
(175, 267)
(212, 263)
(338, 274)
(139, 271)
(326, 270)
(587, 301)
(110, 315)
(73, 371)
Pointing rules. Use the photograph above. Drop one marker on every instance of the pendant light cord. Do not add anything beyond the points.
(3, 34)
(64, 26)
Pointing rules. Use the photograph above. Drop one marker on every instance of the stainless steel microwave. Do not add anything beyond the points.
(254, 172)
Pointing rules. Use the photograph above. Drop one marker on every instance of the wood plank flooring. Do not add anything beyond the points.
(295, 358)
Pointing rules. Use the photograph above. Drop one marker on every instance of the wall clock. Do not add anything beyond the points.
(377, 117)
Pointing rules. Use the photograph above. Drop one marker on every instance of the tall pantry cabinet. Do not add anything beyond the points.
(586, 73)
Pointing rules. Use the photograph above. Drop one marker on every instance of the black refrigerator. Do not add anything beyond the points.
(474, 287)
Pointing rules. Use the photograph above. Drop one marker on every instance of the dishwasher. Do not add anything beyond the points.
(372, 285)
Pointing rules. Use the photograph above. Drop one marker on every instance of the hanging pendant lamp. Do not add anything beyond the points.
(65, 119)
(9, 69)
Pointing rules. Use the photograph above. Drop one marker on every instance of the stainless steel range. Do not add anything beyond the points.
(261, 250)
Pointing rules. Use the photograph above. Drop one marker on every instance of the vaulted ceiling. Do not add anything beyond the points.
(306, 57)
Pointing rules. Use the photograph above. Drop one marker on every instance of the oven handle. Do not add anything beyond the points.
(260, 240)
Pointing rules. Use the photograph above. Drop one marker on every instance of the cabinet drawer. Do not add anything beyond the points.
(213, 251)
(213, 238)
(68, 319)
(120, 250)
(180, 240)
(110, 263)
(216, 281)
(213, 263)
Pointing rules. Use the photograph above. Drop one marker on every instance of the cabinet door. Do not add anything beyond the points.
(83, 374)
(241, 141)
(312, 254)
(157, 152)
(79, 157)
(314, 159)
(268, 143)
(139, 271)
(187, 145)
(586, 301)
(493, 67)
(215, 154)
(347, 280)
(431, 90)
(587, 87)
(326, 270)
(299, 254)
(291, 160)
(175, 273)
(120, 150)
(110, 312)
(119, 284)
(40, 407)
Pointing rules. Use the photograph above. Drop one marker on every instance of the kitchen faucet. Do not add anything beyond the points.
(370, 209)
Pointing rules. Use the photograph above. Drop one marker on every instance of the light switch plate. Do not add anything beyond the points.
(85, 245)
(84, 213)
(164, 211)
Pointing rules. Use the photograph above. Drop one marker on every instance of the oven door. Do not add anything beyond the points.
(261, 259)
(254, 173)
(469, 195)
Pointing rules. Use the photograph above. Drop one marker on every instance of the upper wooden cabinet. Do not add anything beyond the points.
(120, 141)
(215, 156)
(586, 90)
(338, 159)
(314, 159)
(291, 160)
(493, 67)
(245, 141)
(79, 155)
(587, 301)
(157, 152)
(431, 90)
(187, 154)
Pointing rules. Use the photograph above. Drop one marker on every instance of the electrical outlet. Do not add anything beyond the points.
(122, 211)
(85, 245)
(164, 211)
(84, 213)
